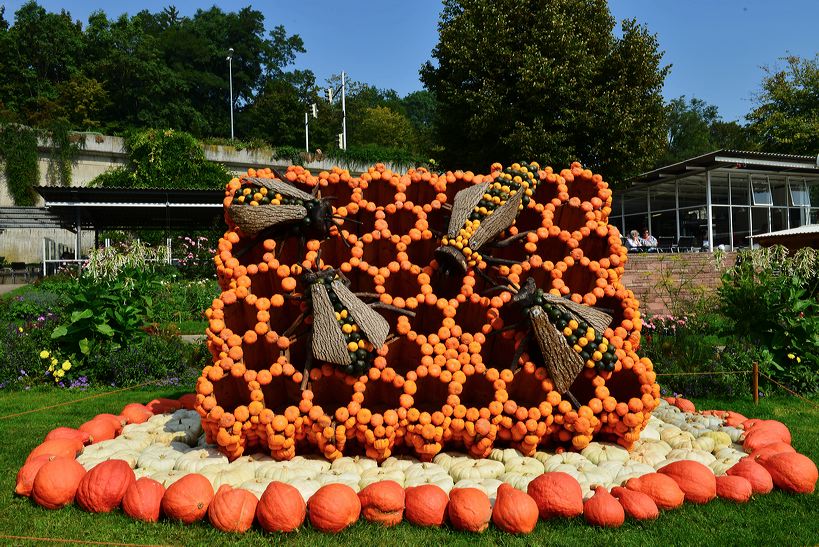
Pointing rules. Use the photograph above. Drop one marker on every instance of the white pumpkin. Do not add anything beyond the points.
(704, 443)
(567, 468)
(139, 473)
(488, 486)
(131, 457)
(523, 465)
(424, 468)
(146, 428)
(89, 461)
(137, 439)
(677, 438)
(253, 459)
(219, 474)
(594, 478)
(181, 436)
(159, 420)
(651, 433)
(571, 458)
(631, 470)
(354, 464)
(159, 458)
(504, 455)
(519, 480)
(542, 457)
(199, 458)
(167, 478)
(612, 468)
(306, 487)
(447, 459)
(283, 471)
(650, 452)
(598, 453)
(442, 480)
(722, 465)
(729, 452)
(378, 474)
(735, 433)
(701, 456)
(335, 476)
(256, 486)
(398, 462)
(476, 469)
(316, 463)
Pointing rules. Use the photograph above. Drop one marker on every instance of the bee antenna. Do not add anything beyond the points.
(346, 219)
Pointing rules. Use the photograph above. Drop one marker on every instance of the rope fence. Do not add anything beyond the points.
(75, 541)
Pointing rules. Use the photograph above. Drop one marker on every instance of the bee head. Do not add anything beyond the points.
(319, 218)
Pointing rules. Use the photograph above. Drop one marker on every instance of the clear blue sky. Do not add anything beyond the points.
(716, 47)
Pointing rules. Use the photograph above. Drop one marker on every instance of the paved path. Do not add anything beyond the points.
(8, 287)
(193, 338)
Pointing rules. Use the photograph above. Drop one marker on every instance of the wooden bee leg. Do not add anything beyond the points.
(572, 399)
(519, 351)
(504, 329)
(488, 279)
(308, 362)
(499, 261)
(291, 329)
(380, 305)
(509, 240)
(392, 339)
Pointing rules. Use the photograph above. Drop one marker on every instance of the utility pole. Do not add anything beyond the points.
(343, 111)
(230, 77)
(306, 133)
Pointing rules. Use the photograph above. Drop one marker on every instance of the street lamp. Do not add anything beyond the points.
(229, 59)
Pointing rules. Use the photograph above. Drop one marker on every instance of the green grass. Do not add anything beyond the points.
(774, 519)
(186, 327)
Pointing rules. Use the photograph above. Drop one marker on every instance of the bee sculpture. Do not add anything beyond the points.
(481, 212)
(569, 335)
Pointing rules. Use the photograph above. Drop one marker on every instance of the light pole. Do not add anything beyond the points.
(229, 59)
(342, 137)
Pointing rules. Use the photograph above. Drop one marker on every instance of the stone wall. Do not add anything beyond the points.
(668, 282)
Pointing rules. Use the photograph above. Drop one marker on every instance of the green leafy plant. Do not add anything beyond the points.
(18, 151)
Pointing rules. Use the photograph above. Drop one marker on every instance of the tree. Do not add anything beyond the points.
(519, 79)
(385, 127)
(786, 118)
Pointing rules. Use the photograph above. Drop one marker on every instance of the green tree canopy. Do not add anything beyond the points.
(786, 118)
(550, 81)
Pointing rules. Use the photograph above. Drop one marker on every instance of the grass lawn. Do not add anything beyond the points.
(774, 519)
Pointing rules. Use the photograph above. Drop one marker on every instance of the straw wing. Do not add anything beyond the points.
(463, 205)
(561, 361)
(371, 323)
(281, 188)
(497, 221)
(328, 340)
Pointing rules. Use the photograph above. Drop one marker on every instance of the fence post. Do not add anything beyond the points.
(755, 382)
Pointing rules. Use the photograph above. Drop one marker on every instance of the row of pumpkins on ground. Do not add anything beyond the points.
(157, 464)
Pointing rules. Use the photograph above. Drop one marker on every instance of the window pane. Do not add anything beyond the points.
(739, 189)
(759, 220)
(721, 227)
(636, 222)
(799, 192)
(635, 200)
(814, 216)
(664, 228)
(719, 188)
(692, 190)
(693, 225)
(798, 217)
(779, 219)
(761, 190)
(741, 230)
(663, 197)
(779, 189)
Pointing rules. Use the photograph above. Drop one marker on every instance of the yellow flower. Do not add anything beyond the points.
(798, 359)
(44, 354)
(66, 365)
(54, 361)
(59, 374)
(20, 329)
(791, 356)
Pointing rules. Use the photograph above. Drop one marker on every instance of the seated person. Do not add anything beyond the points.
(633, 242)
(648, 241)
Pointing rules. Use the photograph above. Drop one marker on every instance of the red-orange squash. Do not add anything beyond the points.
(662, 489)
(755, 473)
(637, 505)
(514, 511)
(333, 508)
(68, 433)
(734, 488)
(683, 404)
(769, 450)
(101, 489)
(603, 509)
(232, 509)
(25, 477)
(117, 422)
(469, 509)
(382, 502)
(162, 405)
(56, 482)
(426, 505)
(188, 498)
(792, 472)
(556, 494)
(281, 508)
(695, 479)
(143, 500)
(99, 430)
(188, 401)
(135, 413)
(766, 432)
(65, 448)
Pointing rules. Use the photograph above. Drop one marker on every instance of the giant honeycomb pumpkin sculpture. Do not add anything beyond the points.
(458, 368)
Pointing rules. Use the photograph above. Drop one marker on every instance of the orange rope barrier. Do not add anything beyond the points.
(702, 373)
(80, 541)
(7, 416)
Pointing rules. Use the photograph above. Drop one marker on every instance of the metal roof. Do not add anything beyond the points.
(807, 229)
(768, 161)
(28, 217)
(129, 208)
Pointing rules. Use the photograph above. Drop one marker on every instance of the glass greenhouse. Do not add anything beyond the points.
(721, 199)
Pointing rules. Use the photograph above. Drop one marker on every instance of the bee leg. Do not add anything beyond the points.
(509, 240)
(299, 320)
(499, 261)
(572, 399)
(504, 329)
(519, 351)
(308, 362)
(389, 307)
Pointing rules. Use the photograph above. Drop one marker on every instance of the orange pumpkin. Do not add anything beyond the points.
(333, 508)
(135, 413)
(792, 472)
(382, 502)
(162, 405)
(117, 422)
(143, 500)
(755, 473)
(426, 505)
(637, 505)
(662, 489)
(232, 509)
(188, 401)
(99, 430)
(556, 494)
(765, 452)
(281, 508)
(101, 489)
(188, 498)
(25, 477)
(514, 511)
(603, 509)
(68, 433)
(765, 432)
(68, 448)
(734, 488)
(469, 509)
(695, 479)
(56, 482)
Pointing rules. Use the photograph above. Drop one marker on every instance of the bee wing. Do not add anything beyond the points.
(463, 205)
(281, 187)
(599, 320)
(561, 361)
(371, 323)
(253, 220)
(497, 221)
(328, 340)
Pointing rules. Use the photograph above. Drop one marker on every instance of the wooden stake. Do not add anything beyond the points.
(755, 382)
